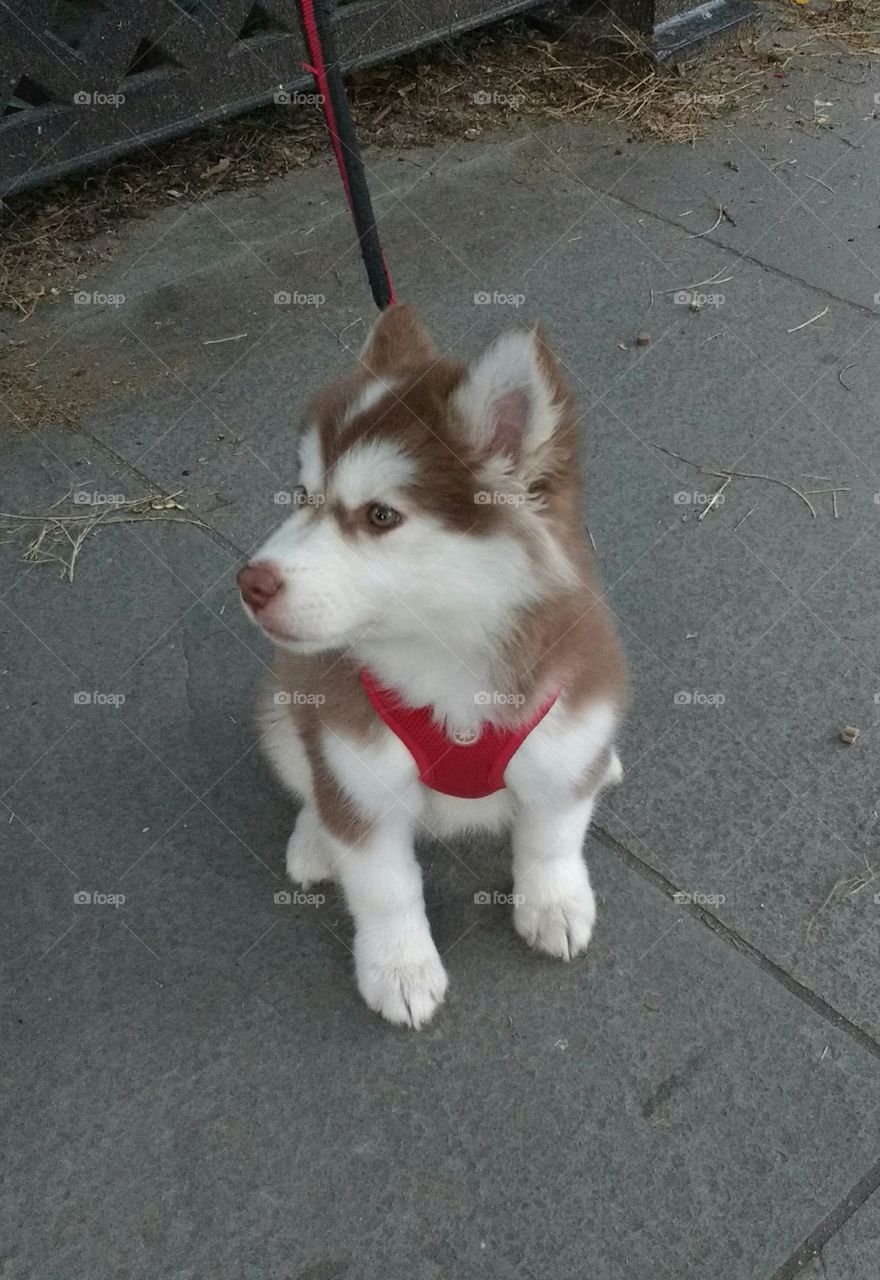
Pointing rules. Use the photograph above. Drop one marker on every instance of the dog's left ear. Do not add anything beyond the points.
(396, 341)
(512, 399)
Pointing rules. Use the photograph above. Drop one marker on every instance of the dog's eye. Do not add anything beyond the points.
(383, 517)
(300, 495)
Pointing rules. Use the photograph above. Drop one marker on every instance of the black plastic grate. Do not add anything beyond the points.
(82, 81)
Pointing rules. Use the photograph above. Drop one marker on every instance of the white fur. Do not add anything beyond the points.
(311, 463)
(369, 471)
(507, 380)
(371, 395)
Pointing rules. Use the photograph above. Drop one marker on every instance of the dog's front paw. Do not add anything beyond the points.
(559, 924)
(405, 984)
(309, 856)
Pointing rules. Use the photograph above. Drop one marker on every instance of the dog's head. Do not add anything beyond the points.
(432, 495)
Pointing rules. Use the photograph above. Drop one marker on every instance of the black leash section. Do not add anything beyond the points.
(317, 21)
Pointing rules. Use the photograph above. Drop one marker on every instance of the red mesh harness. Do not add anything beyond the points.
(468, 769)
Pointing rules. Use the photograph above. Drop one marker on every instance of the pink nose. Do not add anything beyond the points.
(258, 583)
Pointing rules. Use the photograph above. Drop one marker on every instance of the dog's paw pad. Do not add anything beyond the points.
(407, 993)
(561, 927)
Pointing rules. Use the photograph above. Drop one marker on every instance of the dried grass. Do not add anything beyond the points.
(57, 536)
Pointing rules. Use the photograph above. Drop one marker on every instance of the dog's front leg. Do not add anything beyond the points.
(398, 969)
(554, 907)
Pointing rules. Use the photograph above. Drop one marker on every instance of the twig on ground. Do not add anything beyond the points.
(722, 472)
(698, 235)
(61, 536)
(699, 284)
(821, 183)
(742, 519)
(812, 320)
(713, 501)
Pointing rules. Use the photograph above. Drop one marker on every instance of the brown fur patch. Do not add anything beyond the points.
(398, 340)
(345, 710)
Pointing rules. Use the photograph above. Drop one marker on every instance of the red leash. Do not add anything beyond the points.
(317, 23)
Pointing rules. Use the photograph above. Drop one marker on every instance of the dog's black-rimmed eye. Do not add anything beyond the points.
(300, 495)
(382, 517)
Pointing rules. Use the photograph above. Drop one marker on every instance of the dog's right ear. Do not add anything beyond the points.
(397, 341)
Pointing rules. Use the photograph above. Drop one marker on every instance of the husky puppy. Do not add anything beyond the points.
(444, 659)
